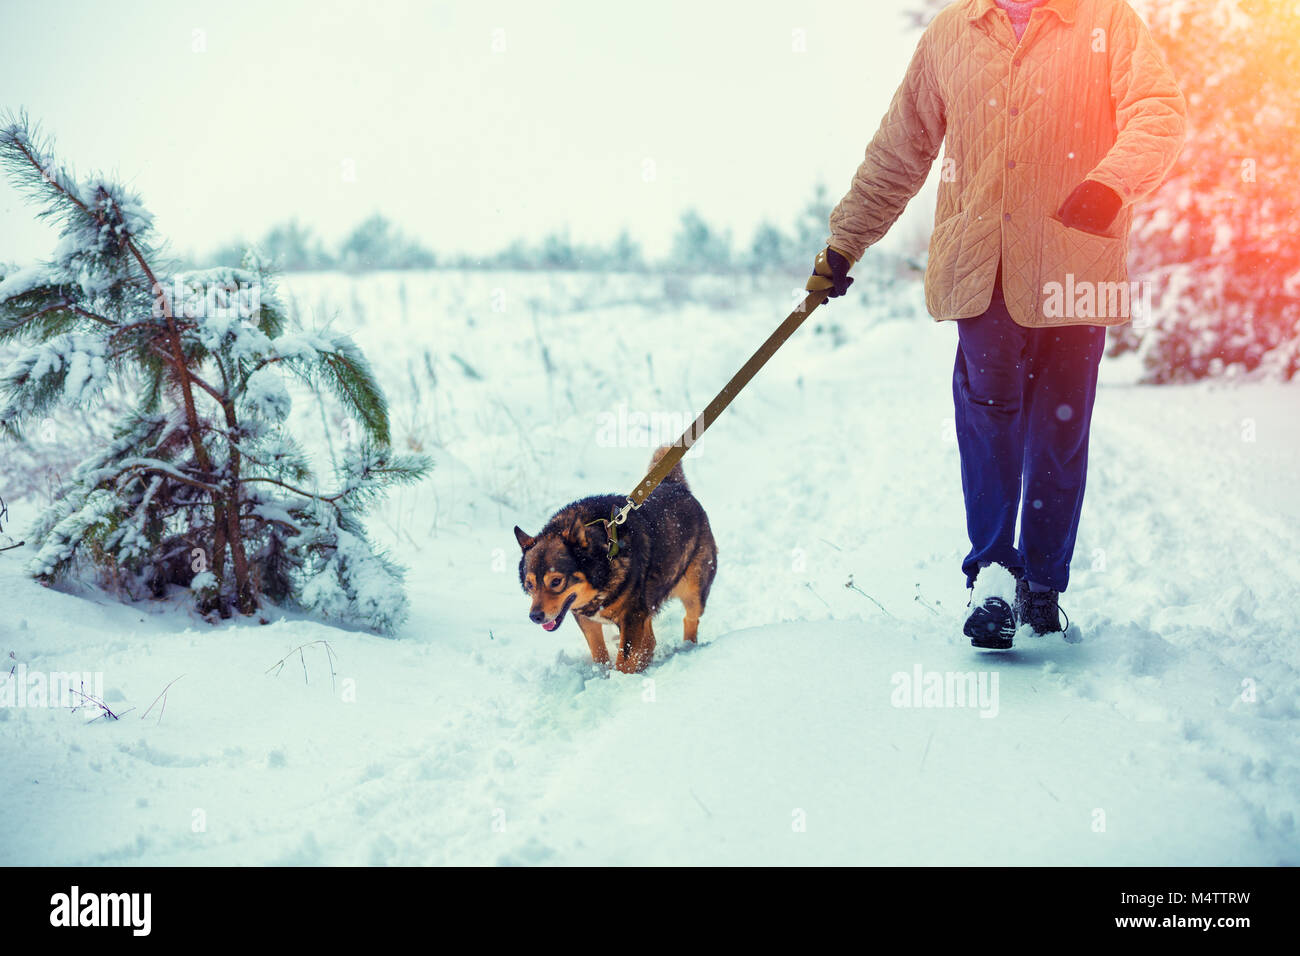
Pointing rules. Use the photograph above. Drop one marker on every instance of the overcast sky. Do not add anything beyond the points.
(468, 123)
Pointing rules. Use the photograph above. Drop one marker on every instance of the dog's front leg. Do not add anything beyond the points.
(636, 644)
(594, 632)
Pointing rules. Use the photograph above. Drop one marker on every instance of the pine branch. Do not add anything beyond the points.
(162, 468)
(348, 375)
(328, 499)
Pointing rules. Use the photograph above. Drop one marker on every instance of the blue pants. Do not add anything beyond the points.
(1024, 401)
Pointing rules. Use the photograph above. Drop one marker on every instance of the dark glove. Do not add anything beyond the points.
(830, 274)
(1092, 207)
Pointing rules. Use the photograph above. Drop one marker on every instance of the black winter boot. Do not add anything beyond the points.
(1038, 609)
(992, 625)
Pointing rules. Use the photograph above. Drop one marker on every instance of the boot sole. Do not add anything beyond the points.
(989, 642)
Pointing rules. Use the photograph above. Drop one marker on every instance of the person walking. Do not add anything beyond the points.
(1055, 118)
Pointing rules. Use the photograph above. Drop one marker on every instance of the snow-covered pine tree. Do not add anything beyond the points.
(202, 486)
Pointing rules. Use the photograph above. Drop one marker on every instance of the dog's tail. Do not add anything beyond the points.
(676, 476)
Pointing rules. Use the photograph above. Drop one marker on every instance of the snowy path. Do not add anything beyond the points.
(477, 738)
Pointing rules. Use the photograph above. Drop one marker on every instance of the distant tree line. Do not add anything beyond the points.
(292, 247)
(697, 246)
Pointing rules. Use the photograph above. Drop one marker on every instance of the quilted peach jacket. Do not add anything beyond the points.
(1084, 94)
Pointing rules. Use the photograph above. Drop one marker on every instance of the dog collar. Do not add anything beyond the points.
(611, 530)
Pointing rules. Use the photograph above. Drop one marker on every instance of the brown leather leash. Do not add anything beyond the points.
(715, 408)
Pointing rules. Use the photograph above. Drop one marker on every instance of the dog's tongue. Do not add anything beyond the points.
(551, 625)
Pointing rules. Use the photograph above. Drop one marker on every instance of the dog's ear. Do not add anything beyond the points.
(525, 541)
(593, 535)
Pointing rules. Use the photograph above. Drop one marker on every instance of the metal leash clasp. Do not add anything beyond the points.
(620, 516)
(617, 517)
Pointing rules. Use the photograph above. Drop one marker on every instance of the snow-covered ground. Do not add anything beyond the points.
(1168, 735)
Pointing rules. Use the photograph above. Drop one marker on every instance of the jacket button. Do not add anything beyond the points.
(1014, 111)
(1011, 164)
(1006, 216)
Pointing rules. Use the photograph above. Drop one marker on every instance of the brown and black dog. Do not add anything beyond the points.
(665, 549)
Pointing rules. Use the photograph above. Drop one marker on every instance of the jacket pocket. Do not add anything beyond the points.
(1087, 232)
(1074, 262)
(1089, 255)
